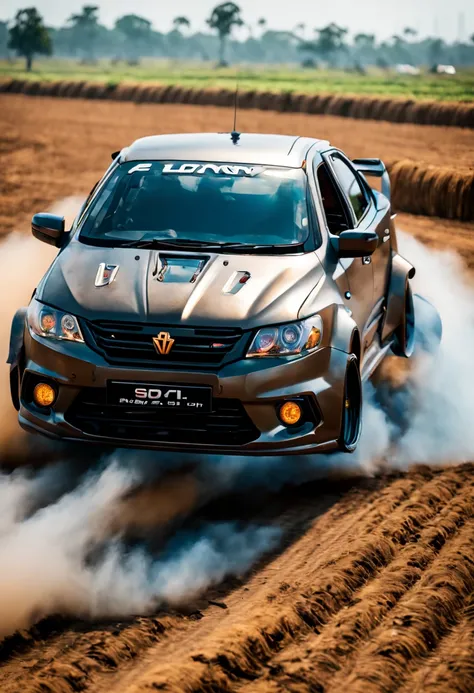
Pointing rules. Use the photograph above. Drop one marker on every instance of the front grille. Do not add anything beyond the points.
(131, 344)
(227, 424)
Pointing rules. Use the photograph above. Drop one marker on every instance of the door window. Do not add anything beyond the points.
(351, 186)
(334, 209)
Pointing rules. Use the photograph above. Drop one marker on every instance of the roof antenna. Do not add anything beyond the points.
(234, 135)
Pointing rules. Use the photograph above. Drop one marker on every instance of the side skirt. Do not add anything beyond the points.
(373, 358)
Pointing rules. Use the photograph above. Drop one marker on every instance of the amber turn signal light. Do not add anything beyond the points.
(44, 395)
(290, 413)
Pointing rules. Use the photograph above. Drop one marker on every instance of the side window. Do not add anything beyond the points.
(351, 187)
(334, 209)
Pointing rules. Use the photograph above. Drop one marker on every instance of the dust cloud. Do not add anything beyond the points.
(23, 261)
(63, 530)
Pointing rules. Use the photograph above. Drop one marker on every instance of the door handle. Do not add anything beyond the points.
(366, 260)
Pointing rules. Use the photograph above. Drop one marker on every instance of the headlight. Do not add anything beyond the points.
(294, 338)
(48, 322)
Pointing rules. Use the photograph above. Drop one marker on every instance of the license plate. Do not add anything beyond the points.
(183, 398)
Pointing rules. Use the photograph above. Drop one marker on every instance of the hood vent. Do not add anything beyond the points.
(178, 269)
(236, 282)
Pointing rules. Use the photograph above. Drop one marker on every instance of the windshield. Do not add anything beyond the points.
(199, 202)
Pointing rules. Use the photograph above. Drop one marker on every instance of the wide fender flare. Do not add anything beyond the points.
(16, 338)
(345, 334)
(401, 270)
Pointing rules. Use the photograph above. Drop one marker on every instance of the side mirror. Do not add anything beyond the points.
(357, 243)
(48, 228)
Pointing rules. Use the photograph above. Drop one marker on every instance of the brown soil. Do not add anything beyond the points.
(371, 590)
(55, 147)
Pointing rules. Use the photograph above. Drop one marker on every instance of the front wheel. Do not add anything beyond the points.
(351, 423)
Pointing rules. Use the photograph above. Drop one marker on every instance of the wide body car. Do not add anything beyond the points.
(217, 293)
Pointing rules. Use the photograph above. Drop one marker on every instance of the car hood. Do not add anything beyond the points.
(195, 288)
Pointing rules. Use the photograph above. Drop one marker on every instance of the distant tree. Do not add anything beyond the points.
(408, 32)
(86, 29)
(137, 32)
(3, 38)
(262, 23)
(364, 41)
(435, 50)
(28, 36)
(300, 30)
(329, 42)
(364, 49)
(223, 19)
(181, 22)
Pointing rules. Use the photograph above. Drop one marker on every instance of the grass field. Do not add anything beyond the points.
(263, 77)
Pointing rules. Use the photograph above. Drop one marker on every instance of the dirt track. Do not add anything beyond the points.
(78, 136)
(371, 588)
(370, 592)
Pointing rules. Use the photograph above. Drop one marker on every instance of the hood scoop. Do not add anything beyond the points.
(236, 282)
(178, 269)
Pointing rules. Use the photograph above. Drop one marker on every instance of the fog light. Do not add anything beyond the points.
(44, 395)
(290, 413)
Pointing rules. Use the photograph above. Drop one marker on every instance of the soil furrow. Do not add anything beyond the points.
(73, 653)
(72, 664)
(325, 654)
(77, 665)
(451, 666)
(416, 625)
(324, 588)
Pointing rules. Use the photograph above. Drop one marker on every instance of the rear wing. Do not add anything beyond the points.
(374, 167)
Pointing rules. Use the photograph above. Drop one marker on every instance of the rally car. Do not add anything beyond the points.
(218, 293)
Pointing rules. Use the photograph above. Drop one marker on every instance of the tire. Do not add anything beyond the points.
(404, 336)
(351, 419)
(15, 387)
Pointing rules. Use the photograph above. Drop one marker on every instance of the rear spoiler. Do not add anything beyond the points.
(374, 167)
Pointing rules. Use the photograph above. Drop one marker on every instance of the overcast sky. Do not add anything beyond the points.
(449, 19)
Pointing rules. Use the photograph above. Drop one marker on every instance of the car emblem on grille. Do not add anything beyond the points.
(163, 343)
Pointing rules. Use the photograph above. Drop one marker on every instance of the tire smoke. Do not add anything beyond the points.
(63, 530)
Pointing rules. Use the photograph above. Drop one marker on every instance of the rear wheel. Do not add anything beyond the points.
(404, 335)
(351, 424)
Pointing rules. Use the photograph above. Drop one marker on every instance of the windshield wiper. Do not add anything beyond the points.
(171, 243)
(209, 245)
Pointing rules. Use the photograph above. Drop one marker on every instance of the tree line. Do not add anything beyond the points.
(133, 37)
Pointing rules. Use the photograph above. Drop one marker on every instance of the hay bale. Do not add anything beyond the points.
(123, 92)
(141, 94)
(319, 104)
(295, 101)
(154, 93)
(63, 89)
(17, 86)
(432, 190)
(282, 102)
(32, 88)
(263, 100)
(247, 98)
(226, 97)
(5, 86)
(371, 108)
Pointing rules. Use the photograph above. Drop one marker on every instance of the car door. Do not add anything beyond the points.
(371, 215)
(355, 280)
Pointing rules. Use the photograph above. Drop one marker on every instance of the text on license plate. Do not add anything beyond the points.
(160, 396)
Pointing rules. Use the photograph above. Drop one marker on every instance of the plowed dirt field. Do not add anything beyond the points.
(369, 588)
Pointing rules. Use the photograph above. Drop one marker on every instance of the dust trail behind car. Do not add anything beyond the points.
(61, 529)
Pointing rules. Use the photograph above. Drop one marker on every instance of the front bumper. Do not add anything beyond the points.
(258, 386)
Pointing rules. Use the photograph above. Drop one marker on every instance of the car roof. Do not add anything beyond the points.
(249, 148)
